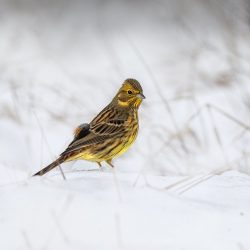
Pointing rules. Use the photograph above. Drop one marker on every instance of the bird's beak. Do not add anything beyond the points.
(141, 96)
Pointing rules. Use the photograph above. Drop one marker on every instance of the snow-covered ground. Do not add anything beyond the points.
(97, 210)
(63, 61)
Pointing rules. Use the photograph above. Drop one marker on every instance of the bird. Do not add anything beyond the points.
(109, 134)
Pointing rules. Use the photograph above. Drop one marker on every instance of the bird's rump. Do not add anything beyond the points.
(81, 131)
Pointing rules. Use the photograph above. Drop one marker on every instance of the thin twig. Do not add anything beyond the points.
(27, 241)
(229, 116)
(58, 225)
(117, 186)
(46, 141)
(195, 183)
(217, 135)
(173, 185)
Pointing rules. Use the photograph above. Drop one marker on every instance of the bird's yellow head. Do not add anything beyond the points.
(130, 94)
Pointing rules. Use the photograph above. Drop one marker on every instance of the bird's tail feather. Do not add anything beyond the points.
(50, 166)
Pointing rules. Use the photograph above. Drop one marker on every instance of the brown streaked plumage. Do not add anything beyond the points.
(110, 133)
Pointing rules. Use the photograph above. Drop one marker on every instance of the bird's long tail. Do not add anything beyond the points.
(50, 166)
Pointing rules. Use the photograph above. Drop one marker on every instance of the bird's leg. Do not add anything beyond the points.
(109, 162)
(100, 165)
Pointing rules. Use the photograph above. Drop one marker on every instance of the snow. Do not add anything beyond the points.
(89, 211)
(61, 62)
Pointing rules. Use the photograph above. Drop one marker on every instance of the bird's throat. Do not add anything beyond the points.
(123, 104)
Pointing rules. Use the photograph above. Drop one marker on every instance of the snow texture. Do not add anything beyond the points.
(90, 210)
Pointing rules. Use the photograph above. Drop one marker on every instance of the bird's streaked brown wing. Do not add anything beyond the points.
(98, 133)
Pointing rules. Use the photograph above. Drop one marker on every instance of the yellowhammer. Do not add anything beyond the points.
(110, 133)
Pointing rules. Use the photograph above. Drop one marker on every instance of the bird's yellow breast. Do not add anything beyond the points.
(121, 149)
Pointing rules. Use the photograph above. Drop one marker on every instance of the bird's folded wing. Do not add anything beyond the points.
(98, 133)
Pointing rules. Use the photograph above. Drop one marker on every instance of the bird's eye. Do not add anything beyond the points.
(130, 92)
